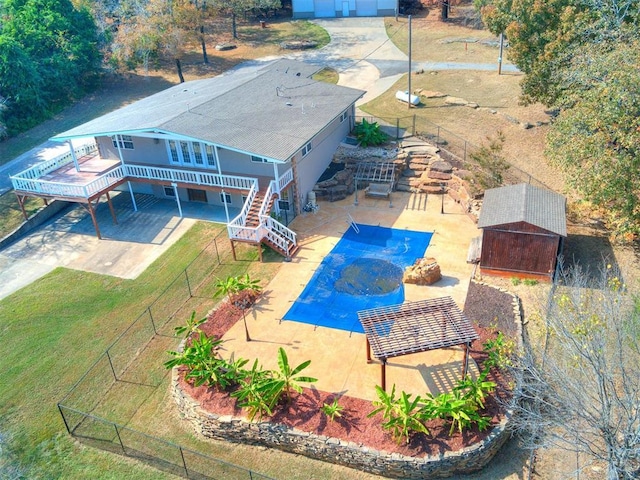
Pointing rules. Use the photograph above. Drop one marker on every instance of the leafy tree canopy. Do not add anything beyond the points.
(596, 137)
(543, 35)
(48, 56)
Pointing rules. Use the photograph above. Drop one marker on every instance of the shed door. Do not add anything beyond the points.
(366, 8)
(325, 8)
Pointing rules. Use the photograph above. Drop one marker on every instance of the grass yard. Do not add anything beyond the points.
(54, 329)
(11, 215)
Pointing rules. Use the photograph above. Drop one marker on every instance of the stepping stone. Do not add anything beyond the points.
(441, 166)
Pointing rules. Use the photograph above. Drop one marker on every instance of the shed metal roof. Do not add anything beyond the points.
(270, 112)
(524, 203)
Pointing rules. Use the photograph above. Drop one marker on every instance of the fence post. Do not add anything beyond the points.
(184, 463)
(397, 128)
(66, 425)
(438, 136)
(113, 370)
(215, 243)
(413, 131)
(186, 275)
(153, 324)
(119, 439)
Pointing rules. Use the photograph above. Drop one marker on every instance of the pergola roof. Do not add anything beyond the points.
(415, 327)
(381, 172)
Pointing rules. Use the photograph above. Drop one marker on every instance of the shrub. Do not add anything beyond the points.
(369, 133)
(332, 410)
(401, 415)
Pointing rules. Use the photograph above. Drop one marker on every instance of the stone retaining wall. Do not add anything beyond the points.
(333, 450)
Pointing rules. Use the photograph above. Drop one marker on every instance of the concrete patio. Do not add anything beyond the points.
(338, 358)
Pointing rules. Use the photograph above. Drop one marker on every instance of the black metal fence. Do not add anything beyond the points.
(452, 146)
(132, 368)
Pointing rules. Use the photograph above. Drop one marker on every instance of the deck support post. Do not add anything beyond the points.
(133, 197)
(175, 193)
(94, 219)
(113, 212)
(260, 251)
(233, 250)
(21, 203)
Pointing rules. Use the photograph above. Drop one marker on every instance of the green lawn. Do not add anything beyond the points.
(54, 329)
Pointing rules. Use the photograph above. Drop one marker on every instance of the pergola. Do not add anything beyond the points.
(415, 327)
(376, 172)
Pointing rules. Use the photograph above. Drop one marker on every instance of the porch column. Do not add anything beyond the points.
(118, 140)
(175, 193)
(224, 202)
(133, 197)
(73, 155)
(276, 177)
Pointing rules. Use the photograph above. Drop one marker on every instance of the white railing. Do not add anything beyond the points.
(48, 166)
(284, 235)
(267, 199)
(241, 219)
(27, 180)
(248, 234)
(190, 176)
(285, 179)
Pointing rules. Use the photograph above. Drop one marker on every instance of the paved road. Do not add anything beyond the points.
(359, 50)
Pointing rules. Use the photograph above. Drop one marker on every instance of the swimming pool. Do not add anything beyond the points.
(364, 270)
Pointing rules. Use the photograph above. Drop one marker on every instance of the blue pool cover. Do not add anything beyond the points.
(364, 270)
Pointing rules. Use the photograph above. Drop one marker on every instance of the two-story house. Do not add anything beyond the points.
(252, 140)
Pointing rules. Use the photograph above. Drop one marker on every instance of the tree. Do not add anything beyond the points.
(48, 56)
(596, 138)
(578, 387)
(543, 35)
(234, 8)
(153, 29)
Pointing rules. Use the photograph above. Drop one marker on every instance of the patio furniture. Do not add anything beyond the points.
(379, 190)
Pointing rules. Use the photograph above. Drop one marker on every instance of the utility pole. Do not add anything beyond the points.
(500, 54)
(409, 92)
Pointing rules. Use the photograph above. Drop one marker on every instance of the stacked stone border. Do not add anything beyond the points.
(350, 454)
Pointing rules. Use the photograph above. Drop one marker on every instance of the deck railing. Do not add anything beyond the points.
(285, 179)
(43, 168)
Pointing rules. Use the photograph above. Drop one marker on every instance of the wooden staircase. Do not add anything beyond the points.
(253, 220)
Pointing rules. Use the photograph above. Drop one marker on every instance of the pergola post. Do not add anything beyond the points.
(383, 374)
(465, 361)
(368, 351)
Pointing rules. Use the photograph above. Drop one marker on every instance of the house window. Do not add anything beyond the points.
(169, 192)
(197, 154)
(306, 149)
(210, 154)
(225, 198)
(186, 152)
(174, 157)
(344, 116)
(191, 153)
(124, 141)
(258, 159)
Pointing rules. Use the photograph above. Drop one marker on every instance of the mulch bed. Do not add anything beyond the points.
(484, 305)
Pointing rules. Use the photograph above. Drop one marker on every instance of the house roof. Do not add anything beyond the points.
(524, 203)
(270, 112)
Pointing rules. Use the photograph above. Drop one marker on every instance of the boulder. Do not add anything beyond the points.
(425, 271)
(441, 166)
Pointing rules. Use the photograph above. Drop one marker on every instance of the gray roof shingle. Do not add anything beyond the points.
(524, 203)
(271, 112)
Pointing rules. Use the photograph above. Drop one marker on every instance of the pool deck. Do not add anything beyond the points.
(338, 358)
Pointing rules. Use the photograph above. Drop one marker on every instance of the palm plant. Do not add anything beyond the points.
(192, 326)
(332, 410)
(401, 415)
(287, 378)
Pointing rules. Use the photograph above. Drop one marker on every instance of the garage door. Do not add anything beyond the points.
(325, 8)
(366, 8)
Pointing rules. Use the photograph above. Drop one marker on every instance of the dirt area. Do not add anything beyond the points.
(484, 305)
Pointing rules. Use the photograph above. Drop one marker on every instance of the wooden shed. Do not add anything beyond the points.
(523, 229)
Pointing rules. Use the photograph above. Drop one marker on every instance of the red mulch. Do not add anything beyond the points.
(303, 411)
